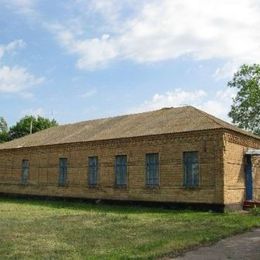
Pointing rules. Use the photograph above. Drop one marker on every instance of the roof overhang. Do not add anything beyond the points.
(253, 152)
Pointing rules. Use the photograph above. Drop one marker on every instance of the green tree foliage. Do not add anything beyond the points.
(245, 110)
(3, 130)
(30, 124)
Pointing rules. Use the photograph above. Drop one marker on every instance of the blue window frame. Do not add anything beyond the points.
(63, 171)
(191, 169)
(121, 170)
(92, 170)
(25, 171)
(152, 169)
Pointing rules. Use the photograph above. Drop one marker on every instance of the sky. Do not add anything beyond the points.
(75, 60)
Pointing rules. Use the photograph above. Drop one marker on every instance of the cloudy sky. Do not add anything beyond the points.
(81, 59)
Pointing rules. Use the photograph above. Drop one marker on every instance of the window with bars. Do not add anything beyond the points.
(191, 169)
(121, 170)
(63, 171)
(92, 170)
(152, 169)
(25, 171)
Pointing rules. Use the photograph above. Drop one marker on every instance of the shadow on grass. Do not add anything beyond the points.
(98, 205)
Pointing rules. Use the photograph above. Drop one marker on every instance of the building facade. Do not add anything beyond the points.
(196, 167)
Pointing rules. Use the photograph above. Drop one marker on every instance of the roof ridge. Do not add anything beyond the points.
(123, 115)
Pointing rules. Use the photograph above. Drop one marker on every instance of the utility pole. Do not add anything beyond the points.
(31, 126)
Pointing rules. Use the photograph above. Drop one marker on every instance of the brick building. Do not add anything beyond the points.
(173, 155)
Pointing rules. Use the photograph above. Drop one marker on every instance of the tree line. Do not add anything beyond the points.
(26, 125)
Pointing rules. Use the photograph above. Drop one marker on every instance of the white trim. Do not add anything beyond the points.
(253, 151)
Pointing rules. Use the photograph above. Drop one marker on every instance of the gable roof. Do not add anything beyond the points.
(163, 121)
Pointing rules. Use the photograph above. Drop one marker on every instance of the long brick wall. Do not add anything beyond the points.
(44, 168)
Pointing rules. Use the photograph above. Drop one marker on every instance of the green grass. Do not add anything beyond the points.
(58, 230)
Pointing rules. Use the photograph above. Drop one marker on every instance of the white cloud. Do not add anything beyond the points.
(177, 97)
(89, 93)
(219, 104)
(17, 80)
(11, 47)
(167, 29)
(33, 111)
(93, 53)
(113, 12)
(226, 71)
(26, 7)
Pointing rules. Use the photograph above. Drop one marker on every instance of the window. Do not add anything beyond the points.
(191, 169)
(121, 170)
(25, 171)
(152, 169)
(92, 170)
(63, 170)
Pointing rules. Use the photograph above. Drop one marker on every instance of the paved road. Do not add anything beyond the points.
(244, 246)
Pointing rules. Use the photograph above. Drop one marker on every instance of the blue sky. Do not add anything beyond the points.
(84, 59)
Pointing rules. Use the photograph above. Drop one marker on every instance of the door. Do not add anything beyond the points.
(249, 178)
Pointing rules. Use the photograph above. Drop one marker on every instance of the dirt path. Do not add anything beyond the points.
(244, 246)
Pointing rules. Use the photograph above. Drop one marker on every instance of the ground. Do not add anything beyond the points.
(52, 229)
(242, 246)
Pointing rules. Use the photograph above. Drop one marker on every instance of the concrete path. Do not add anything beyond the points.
(244, 246)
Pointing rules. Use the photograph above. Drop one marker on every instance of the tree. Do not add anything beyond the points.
(30, 124)
(245, 110)
(3, 130)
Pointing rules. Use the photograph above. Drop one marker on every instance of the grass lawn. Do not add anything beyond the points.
(58, 230)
